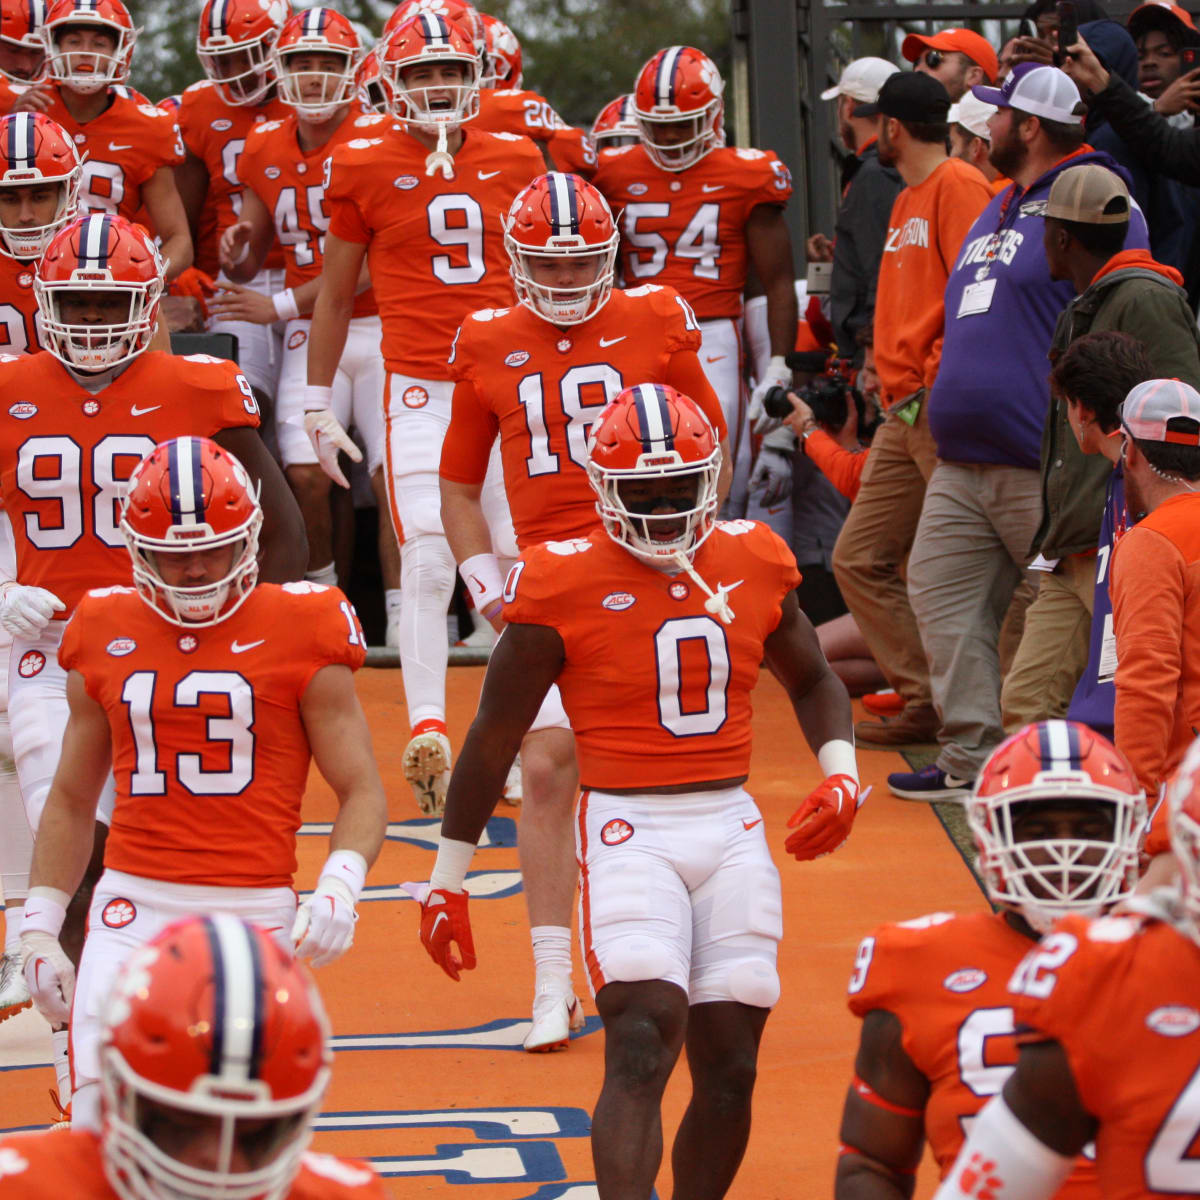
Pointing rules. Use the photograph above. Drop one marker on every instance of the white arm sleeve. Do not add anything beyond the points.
(1003, 1160)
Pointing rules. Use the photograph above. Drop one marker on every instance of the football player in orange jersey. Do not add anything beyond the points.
(694, 214)
(80, 416)
(1109, 1018)
(1057, 816)
(615, 125)
(654, 628)
(233, 43)
(538, 374)
(207, 696)
(131, 146)
(421, 201)
(22, 51)
(215, 1056)
(283, 166)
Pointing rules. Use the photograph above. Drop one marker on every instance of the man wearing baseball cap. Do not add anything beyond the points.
(1156, 585)
(957, 58)
(971, 139)
(1161, 31)
(862, 216)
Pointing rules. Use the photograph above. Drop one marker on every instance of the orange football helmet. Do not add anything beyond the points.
(1046, 874)
(426, 39)
(460, 12)
(88, 70)
(1183, 825)
(188, 494)
(652, 434)
(109, 256)
(502, 61)
(373, 90)
(213, 1042)
(317, 95)
(559, 227)
(678, 106)
(21, 36)
(616, 125)
(37, 151)
(234, 42)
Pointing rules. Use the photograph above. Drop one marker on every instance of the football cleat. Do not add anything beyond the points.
(426, 765)
(556, 1015)
(14, 991)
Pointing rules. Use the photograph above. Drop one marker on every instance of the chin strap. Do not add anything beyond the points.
(717, 602)
(441, 157)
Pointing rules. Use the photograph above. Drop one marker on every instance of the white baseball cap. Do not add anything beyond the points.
(861, 80)
(972, 114)
(1043, 91)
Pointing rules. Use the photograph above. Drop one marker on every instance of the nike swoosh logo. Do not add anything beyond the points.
(241, 647)
(837, 791)
(712, 187)
(134, 411)
(606, 342)
(479, 585)
(713, 357)
(751, 824)
(117, 149)
(437, 921)
(488, 174)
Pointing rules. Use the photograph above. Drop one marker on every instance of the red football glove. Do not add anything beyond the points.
(444, 921)
(822, 823)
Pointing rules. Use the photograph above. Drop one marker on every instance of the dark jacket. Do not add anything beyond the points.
(1132, 294)
(859, 233)
(1159, 147)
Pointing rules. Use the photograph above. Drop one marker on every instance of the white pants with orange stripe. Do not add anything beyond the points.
(127, 911)
(417, 415)
(721, 359)
(260, 347)
(679, 888)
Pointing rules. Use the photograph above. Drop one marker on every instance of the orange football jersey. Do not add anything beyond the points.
(55, 1163)
(945, 979)
(1122, 997)
(512, 110)
(513, 378)
(215, 132)
(657, 690)
(209, 752)
(121, 149)
(688, 228)
(291, 184)
(435, 246)
(65, 455)
(20, 330)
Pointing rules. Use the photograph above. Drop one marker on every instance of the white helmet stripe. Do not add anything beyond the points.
(216, 18)
(94, 243)
(664, 83)
(652, 409)
(20, 152)
(437, 32)
(236, 999)
(1060, 745)
(563, 211)
(313, 20)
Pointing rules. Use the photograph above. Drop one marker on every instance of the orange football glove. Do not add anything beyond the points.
(822, 823)
(444, 922)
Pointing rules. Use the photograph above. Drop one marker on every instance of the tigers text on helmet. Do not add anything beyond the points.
(678, 107)
(413, 68)
(35, 151)
(316, 94)
(562, 243)
(1057, 773)
(502, 58)
(21, 41)
(655, 441)
(616, 125)
(234, 42)
(215, 1037)
(106, 259)
(189, 496)
(89, 70)
(1183, 825)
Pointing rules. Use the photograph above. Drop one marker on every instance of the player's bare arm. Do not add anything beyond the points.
(284, 542)
(1041, 1094)
(191, 182)
(883, 1128)
(232, 302)
(770, 249)
(466, 527)
(166, 210)
(244, 245)
(333, 309)
(686, 375)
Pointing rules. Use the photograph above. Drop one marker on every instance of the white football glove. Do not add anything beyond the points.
(773, 470)
(324, 925)
(328, 437)
(777, 374)
(26, 611)
(49, 974)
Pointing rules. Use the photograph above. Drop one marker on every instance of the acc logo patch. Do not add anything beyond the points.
(119, 647)
(221, 124)
(22, 410)
(91, 408)
(679, 590)
(518, 358)
(638, 189)
(1174, 1020)
(618, 601)
(298, 338)
(965, 980)
(616, 831)
(187, 643)
(272, 172)
(415, 396)
(118, 913)
(31, 664)
(405, 182)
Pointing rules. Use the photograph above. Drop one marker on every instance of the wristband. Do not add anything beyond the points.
(286, 308)
(348, 867)
(836, 757)
(317, 398)
(450, 869)
(481, 574)
(777, 368)
(45, 911)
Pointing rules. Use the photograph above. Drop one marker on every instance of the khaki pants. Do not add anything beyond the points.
(874, 544)
(1054, 646)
